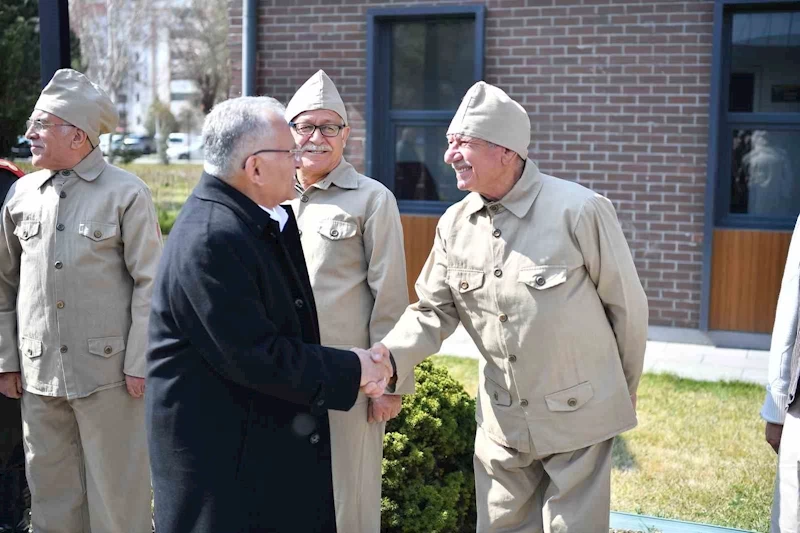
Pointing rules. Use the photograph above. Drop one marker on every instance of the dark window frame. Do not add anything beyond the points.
(379, 120)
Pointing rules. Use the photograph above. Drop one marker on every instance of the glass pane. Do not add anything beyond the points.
(420, 172)
(765, 173)
(765, 62)
(432, 63)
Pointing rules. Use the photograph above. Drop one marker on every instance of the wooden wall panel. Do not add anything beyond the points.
(418, 232)
(746, 271)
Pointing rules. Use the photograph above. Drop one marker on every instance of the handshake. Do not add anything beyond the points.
(376, 369)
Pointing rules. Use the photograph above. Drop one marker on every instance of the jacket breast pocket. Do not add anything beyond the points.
(106, 346)
(337, 230)
(570, 399)
(27, 230)
(30, 348)
(498, 395)
(463, 281)
(543, 277)
(97, 231)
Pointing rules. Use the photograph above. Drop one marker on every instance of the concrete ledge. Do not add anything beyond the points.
(646, 524)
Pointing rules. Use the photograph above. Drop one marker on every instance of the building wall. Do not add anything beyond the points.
(617, 92)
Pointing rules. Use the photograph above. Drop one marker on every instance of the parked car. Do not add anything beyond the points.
(184, 151)
(9, 173)
(139, 143)
(109, 142)
(22, 148)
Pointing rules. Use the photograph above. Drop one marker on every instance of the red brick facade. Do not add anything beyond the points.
(617, 92)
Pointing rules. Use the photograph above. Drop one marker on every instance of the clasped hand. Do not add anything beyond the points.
(376, 371)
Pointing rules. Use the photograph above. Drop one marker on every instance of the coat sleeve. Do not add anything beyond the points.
(784, 336)
(10, 253)
(610, 265)
(141, 241)
(386, 269)
(218, 304)
(427, 323)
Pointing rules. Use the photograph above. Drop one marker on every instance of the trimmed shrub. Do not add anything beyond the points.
(428, 481)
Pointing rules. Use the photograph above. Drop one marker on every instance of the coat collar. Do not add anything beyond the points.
(88, 169)
(343, 176)
(213, 189)
(518, 200)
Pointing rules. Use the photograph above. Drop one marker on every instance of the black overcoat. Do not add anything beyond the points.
(238, 388)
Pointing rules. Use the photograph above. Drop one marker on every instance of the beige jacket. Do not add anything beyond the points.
(545, 284)
(78, 252)
(353, 242)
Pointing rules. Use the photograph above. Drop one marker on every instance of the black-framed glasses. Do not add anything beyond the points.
(294, 152)
(327, 130)
(39, 125)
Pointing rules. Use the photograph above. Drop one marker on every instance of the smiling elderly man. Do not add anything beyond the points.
(79, 248)
(538, 271)
(353, 243)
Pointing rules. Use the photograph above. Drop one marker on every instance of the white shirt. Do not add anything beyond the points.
(278, 214)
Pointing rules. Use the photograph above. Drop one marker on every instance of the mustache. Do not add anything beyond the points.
(311, 147)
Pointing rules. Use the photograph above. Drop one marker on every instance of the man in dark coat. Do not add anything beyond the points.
(237, 386)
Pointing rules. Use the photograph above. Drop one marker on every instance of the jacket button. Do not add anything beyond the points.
(304, 199)
(300, 232)
(539, 280)
(512, 358)
(464, 285)
(503, 317)
(497, 233)
(63, 348)
(66, 173)
(314, 438)
(62, 194)
(25, 234)
(320, 402)
(496, 396)
(572, 402)
(107, 350)
(298, 303)
(334, 233)
(523, 402)
(98, 234)
(493, 208)
(58, 265)
(60, 227)
(498, 273)
(60, 304)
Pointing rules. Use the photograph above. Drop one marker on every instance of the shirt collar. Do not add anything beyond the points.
(88, 169)
(278, 214)
(343, 176)
(518, 200)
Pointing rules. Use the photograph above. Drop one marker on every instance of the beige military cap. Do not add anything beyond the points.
(488, 113)
(72, 97)
(318, 92)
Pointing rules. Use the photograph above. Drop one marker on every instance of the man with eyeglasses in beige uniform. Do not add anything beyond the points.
(353, 244)
(538, 271)
(79, 248)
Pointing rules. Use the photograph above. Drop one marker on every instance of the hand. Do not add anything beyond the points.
(384, 408)
(773, 434)
(11, 384)
(135, 386)
(633, 401)
(375, 372)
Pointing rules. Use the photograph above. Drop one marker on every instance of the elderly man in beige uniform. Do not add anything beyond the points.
(538, 271)
(353, 243)
(79, 247)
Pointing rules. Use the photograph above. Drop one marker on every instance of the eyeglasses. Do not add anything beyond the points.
(39, 125)
(327, 130)
(294, 152)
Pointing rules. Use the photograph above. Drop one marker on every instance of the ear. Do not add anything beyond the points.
(254, 171)
(508, 157)
(79, 138)
(345, 133)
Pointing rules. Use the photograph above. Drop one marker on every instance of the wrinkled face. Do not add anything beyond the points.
(276, 169)
(321, 153)
(51, 145)
(476, 162)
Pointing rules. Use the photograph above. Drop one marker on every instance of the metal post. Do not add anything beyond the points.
(53, 37)
(249, 21)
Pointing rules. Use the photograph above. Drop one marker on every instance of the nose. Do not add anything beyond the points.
(451, 155)
(317, 137)
(30, 132)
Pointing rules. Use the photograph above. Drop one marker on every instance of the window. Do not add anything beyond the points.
(421, 62)
(759, 170)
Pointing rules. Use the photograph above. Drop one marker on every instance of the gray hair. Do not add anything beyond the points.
(232, 131)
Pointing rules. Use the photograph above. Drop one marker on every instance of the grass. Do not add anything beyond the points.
(698, 453)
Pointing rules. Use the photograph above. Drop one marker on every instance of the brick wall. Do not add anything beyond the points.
(617, 92)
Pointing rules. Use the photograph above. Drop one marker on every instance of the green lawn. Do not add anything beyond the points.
(698, 453)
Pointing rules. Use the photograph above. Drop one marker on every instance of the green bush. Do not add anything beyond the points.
(428, 482)
(166, 218)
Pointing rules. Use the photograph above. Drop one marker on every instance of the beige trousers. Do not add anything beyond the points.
(786, 501)
(87, 463)
(356, 455)
(524, 493)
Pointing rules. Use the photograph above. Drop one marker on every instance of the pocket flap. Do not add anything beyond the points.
(462, 280)
(499, 395)
(106, 346)
(30, 348)
(570, 399)
(543, 277)
(337, 230)
(97, 231)
(27, 229)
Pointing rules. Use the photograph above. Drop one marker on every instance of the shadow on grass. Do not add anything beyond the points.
(621, 457)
